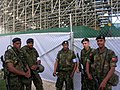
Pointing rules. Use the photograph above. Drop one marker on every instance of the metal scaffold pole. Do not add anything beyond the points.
(22, 15)
(71, 34)
(13, 15)
(59, 14)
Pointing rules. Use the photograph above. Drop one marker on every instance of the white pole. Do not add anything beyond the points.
(71, 34)
(70, 22)
(59, 13)
(25, 15)
(13, 15)
(40, 15)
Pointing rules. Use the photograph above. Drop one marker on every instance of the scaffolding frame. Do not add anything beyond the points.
(23, 15)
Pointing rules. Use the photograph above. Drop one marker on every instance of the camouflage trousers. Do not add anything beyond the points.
(27, 87)
(64, 77)
(26, 82)
(92, 84)
(87, 84)
(15, 83)
(37, 81)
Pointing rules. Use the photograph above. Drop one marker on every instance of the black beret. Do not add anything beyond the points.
(29, 40)
(100, 37)
(16, 39)
(64, 42)
(85, 39)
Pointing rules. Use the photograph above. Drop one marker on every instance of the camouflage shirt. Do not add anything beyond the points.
(31, 55)
(15, 57)
(103, 61)
(85, 54)
(65, 60)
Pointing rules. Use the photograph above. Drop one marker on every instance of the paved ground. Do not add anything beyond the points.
(47, 85)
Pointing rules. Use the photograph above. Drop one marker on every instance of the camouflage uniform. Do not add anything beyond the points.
(13, 79)
(65, 68)
(31, 58)
(99, 58)
(86, 83)
(26, 82)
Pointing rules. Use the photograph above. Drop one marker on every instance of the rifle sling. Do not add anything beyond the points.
(19, 59)
(104, 62)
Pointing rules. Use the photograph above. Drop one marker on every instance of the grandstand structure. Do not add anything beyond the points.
(23, 15)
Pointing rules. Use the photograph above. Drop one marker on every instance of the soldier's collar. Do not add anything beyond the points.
(102, 51)
(65, 50)
(29, 48)
(88, 48)
(14, 48)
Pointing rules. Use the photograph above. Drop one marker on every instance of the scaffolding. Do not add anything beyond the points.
(23, 15)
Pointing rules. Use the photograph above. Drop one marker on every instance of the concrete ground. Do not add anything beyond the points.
(47, 85)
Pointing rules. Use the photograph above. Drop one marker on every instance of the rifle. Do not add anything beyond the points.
(6, 75)
(97, 82)
(83, 73)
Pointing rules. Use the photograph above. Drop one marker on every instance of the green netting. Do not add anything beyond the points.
(110, 31)
(83, 31)
(79, 31)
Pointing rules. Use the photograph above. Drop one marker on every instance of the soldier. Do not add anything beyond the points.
(15, 65)
(65, 65)
(85, 54)
(104, 64)
(31, 58)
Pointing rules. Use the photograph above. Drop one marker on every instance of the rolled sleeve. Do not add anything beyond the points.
(9, 61)
(88, 60)
(58, 56)
(113, 63)
(113, 60)
(8, 57)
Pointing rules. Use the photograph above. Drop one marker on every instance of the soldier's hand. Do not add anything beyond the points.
(77, 70)
(102, 85)
(27, 75)
(54, 74)
(90, 77)
(34, 67)
(72, 74)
